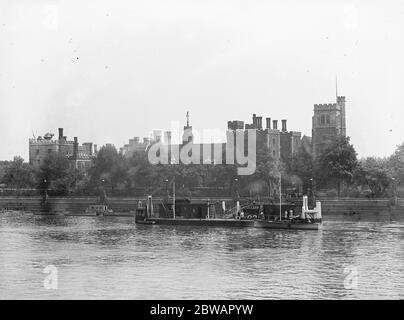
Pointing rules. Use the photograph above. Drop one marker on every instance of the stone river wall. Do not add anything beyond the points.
(333, 209)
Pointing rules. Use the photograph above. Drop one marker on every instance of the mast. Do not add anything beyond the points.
(174, 198)
(280, 196)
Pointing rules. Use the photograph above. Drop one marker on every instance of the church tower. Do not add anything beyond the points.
(329, 123)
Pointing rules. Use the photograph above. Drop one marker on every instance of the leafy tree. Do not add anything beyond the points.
(18, 174)
(396, 164)
(301, 165)
(337, 163)
(57, 174)
(109, 169)
(267, 171)
(140, 172)
(375, 174)
(3, 167)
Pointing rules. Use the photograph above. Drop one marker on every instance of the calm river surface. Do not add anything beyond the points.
(112, 258)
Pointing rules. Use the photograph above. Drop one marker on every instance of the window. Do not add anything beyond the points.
(273, 141)
(328, 119)
(37, 151)
(322, 119)
(49, 151)
(274, 153)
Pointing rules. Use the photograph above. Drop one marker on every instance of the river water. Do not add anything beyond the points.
(112, 258)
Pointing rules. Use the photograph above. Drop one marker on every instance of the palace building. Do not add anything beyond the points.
(328, 123)
(281, 143)
(81, 156)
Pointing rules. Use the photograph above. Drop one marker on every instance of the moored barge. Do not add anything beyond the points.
(309, 219)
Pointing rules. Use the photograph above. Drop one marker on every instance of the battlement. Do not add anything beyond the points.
(325, 106)
(39, 142)
(341, 99)
(329, 121)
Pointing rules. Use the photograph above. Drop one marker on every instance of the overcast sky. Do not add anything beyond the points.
(107, 71)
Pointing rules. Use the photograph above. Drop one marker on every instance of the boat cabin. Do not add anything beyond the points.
(185, 208)
(141, 210)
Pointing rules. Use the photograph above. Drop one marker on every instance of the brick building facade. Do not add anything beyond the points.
(281, 144)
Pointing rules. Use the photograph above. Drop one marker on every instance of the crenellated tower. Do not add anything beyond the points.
(329, 122)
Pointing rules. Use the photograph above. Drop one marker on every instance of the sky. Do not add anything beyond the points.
(107, 71)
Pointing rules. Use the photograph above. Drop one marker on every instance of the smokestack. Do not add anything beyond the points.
(75, 148)
(268, 123)
(275, 124)
(60, 133)
(284, 129)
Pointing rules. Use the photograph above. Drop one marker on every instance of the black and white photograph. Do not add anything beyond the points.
(187, 150)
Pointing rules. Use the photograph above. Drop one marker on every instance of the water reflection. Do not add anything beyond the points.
(114, 258)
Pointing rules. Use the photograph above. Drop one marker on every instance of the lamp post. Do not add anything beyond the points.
(394, 190)
(102, 193)
(45, 187)
(44, 193)
(167, 187)
(237, 194)
(313, 195)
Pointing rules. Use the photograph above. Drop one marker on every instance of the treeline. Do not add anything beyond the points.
(336, 172)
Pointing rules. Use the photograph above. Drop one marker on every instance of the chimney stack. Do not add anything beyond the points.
(60, 133)
(268, 123)
(259, 122)
(255, 120)
(167, 137)
(75, 148)
(275, 124)
(90, 147)
(284, 129)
